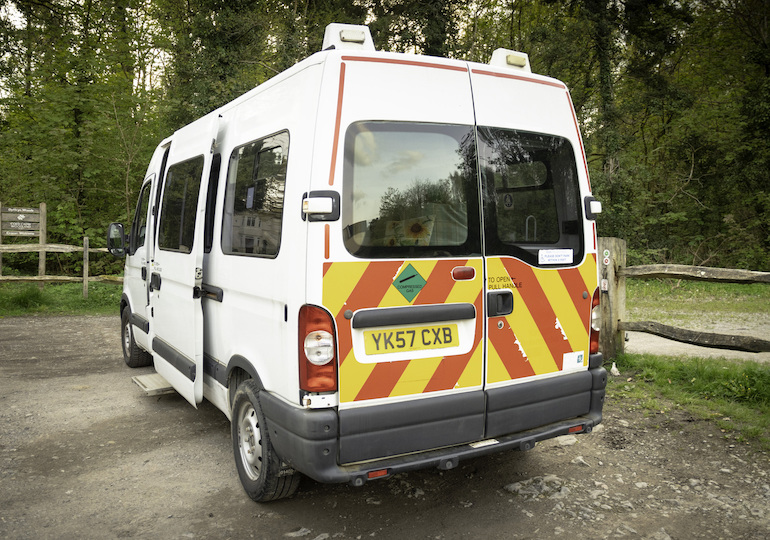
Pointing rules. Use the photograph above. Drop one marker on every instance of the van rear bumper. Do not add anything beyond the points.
(517, 417)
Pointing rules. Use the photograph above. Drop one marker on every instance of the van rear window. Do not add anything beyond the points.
(532, 204)
(410, 190)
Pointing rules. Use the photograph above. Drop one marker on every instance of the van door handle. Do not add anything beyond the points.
(499, 303)
(155, 281)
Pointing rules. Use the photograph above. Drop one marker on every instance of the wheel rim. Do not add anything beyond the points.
(127, 338)
(250, 441)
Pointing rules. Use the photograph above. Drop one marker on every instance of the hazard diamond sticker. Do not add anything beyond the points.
(409, 283)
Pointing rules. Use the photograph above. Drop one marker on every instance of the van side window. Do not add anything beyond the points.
(253, 213)
(179, 205)
(139, 226)
(532, 203)
(410, 190)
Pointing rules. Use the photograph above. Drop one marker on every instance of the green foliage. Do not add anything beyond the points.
(735, 394)
(745, 382)
(698, 296)
(58, 299)
(673, 99)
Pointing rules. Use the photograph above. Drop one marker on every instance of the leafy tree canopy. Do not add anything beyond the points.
(673, 98)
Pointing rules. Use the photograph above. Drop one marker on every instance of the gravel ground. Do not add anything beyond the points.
(85, 454)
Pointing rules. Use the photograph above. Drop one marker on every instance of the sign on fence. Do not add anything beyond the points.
(18, 221)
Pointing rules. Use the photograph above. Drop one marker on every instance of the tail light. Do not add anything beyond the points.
(317, 350)
(596, 322)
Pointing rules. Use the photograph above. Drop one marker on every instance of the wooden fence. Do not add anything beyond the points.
(613, 274)
(57, 248)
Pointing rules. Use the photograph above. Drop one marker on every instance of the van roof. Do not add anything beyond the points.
(346, 40)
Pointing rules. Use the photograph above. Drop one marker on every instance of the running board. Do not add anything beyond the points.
(153, 384)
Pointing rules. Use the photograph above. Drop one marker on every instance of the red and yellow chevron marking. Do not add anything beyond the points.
(551, 317)
(358, 285)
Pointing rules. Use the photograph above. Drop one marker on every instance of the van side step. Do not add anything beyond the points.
(153, 384)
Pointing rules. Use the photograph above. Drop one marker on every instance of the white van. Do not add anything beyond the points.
(372, 263)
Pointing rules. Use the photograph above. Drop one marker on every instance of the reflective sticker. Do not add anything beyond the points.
(409, 283)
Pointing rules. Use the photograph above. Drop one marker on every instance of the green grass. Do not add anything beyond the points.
(671, 301)
(58, 299)
(735, 395)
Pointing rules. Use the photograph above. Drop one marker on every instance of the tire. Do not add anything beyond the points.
(263, 476)
(133, 355)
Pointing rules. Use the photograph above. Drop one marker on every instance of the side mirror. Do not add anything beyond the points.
(116, 240)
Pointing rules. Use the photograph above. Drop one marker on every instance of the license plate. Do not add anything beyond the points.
(411, 339)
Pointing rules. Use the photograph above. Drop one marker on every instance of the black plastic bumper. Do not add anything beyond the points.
(515, 418)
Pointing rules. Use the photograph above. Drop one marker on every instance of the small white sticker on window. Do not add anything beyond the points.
(555, 256)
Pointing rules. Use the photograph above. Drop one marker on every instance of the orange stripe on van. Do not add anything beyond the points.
(438, 287)
(579, 138)
(326, 241)
(382, 380)
(451, 369)
(369, 291)
(542, 312)
(518, 78)
(337, 121)
(357, 285)
(512, 358)
(403, 63)
(573, 280)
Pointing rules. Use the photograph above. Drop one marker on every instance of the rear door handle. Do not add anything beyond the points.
(499, 303)
(155, 281)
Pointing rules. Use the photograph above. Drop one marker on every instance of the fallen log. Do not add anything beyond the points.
(693, 337)
(701, 273)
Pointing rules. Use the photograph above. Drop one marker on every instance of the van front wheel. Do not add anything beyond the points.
(133, 355)
(263, 476)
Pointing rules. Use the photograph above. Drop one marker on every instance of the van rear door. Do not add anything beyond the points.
(540, 272)
(405, 286)
(176, 329)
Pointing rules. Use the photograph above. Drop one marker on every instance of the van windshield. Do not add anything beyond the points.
(412, 190)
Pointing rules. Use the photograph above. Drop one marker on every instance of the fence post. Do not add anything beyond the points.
(43, 241)
(85, 267)
(612, 257)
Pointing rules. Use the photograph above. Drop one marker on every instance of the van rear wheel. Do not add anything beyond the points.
(263, 476)
(133, 355)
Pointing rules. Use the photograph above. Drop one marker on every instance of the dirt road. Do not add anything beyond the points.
(84, 454)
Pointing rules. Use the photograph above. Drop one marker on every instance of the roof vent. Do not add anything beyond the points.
(348, 36)
(511, 59)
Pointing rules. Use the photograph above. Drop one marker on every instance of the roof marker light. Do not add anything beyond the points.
(511, 59)
(353, 35)
(347, 36)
